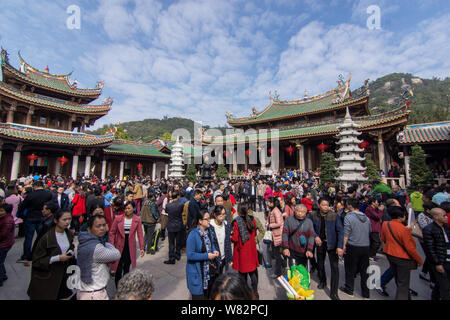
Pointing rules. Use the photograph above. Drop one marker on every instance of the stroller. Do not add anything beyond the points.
(297, 282)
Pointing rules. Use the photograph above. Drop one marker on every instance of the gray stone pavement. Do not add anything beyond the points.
(170, 280)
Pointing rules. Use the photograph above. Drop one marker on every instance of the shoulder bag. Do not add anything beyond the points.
(413, 263)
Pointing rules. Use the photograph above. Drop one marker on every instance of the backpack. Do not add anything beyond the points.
(154, 210)
(184, 215)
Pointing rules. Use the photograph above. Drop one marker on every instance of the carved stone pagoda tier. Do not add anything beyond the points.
(350, 168)
(176, 165)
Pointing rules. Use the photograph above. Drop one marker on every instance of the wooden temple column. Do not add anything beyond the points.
(154, 171)
(407, 168)
(70, 122)
(166, 171)
(381, 155)
(16, 162)
(29, 115)
(104, 169)
(310, 158)
(75, 164)
(235, 163)
(122, 165)
(301, 156)
(12, 109)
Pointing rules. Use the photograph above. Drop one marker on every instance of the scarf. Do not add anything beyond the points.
(207, 243)
(87, 243)
(243, 231)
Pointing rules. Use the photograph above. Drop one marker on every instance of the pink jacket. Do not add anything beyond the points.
(276, 224)
(268, 193)
(117, 238)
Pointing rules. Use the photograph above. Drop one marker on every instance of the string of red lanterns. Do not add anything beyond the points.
(140, 166)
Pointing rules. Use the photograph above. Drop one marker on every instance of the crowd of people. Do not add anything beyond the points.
(104, 226)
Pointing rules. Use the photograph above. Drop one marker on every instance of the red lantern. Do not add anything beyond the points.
(290, 150)
(32, 157)
(271, 150)
(322, 147)
(364, 145)
(247, 153)
(63, 160)
(140, 166)
(225, 154)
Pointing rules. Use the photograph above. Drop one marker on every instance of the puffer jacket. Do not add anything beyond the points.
(434, 243)
(276, 225)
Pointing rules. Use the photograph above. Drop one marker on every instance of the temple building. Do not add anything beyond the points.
(43, 118)
(310, 124)
(434, 138)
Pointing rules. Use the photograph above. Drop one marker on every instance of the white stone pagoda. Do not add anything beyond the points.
(176, 165)
(350, 168)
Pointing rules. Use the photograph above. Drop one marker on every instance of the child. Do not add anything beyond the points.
(7, 229)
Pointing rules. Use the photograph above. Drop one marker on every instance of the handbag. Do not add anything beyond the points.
(267, 237)
(413, 263)
(416, 231)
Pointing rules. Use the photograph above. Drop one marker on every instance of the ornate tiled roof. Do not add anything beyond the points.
(53, 103)
(123, 147)
(36, 134)
(425, 133)
(331, 100)
(44, 79)
(323, 128)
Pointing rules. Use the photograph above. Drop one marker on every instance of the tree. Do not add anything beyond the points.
(222, 172)
(166, 136)
(328, 172)
(421, 176)
(371, 171)
(119, 132)
(191, 173)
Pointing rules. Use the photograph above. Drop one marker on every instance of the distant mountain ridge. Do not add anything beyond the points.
(430, 104)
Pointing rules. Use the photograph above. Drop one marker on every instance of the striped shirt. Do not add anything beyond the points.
(127, 225)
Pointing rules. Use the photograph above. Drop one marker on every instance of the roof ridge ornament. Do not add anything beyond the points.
(5, 56)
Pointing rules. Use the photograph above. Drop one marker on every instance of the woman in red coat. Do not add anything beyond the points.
(123, 238)
(79, 208)
(245, 255)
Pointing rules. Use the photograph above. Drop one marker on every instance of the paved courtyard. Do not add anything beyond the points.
(170, 280)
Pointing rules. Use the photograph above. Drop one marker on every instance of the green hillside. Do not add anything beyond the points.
(149, 129)
(430, 102)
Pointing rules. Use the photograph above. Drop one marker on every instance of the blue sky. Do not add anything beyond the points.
(198, 59)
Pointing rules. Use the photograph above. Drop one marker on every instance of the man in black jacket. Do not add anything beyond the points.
(33, 204)
(437, 248)
(61, 199)
(194, 208)
(175, 225)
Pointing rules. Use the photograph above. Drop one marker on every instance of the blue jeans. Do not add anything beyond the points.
(386, 277)
(31, 225)
(3, 253)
